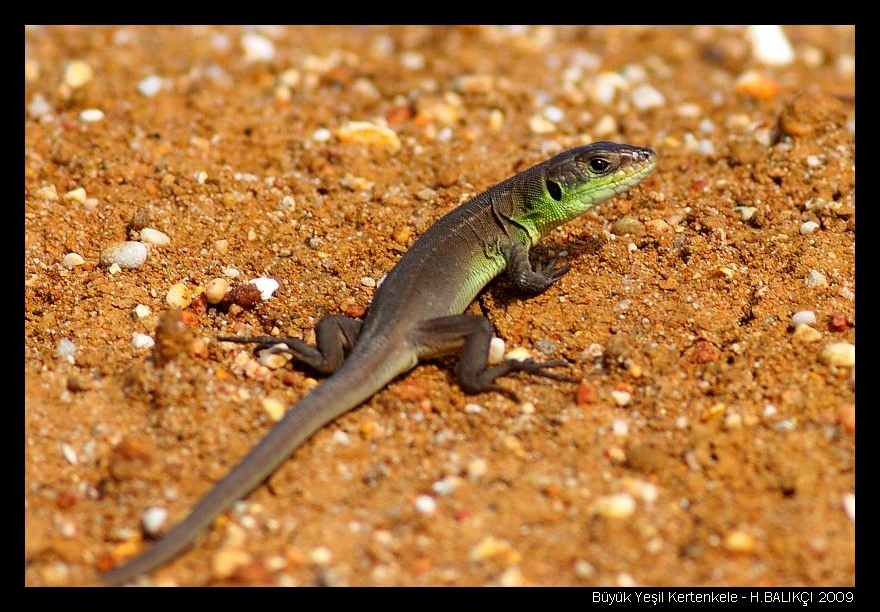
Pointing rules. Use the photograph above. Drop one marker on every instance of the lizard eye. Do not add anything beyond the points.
(554, 190)
(599, 165)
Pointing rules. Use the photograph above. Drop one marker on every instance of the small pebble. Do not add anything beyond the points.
(266, 286)
(837, 322)
(228, 560)
(257, 48)
(770, 46)
(69, 454)
(321, 555)
(809, 227)
(803, 317)
(91, 115)
(129, 254)
(539, 124)
(839, 354)
(47, 192)
(621, 505)
(425, 504)
(628, 226)
(815, 278)
(216, 290)
(76, 195)
(491, 547)
(518, 354)
(140, 341)
(753, 83)
(66, 349)
(153, 519)
(39, 106)
(849, 506)
(178, 296)
(364, 132)
(645, 97)
(745, 212)
(806, 334)
(496, 351)
(154, 237)
(739, 541)
(141, 311)
(77, 73)
(276, 409)
(621, 398)
(72, 260)
(477, 468)
(150, 85)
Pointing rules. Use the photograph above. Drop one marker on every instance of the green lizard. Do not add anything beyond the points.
(418, 313)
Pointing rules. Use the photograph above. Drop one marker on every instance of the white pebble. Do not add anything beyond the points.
(809, 227)
(619, 427)
(472, 408)
(425, 504)
(368, 282)
(770, 46)
(39, 106)
(849, 505)
(72, 260)
(445, 486)
(266, 286)
(745, 212)
(153, 518)
(69, 454)
(150, 85)
(539, 124)
(77, 73)
(140, 341)
(603, 88)
(127, 254)
(518, 354)
(76, 195)
(621, 505)
(496, 351)
(154, 237)
(66, 349)
(141, 311)
(91, 115)
(321, 555)
(803, 317)
(815, 278)
(554, 113)
(605, 126)
(621, 398)
(839, 354)
(275, 408)
(477, 468)
(257, 48)
(321, 135)
(645, 96)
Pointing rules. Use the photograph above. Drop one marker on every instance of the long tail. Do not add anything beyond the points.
(346, 389)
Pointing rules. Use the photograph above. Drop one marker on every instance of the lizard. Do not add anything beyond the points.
(418, 313)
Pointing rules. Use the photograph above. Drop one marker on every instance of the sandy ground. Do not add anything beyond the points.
(711, 441)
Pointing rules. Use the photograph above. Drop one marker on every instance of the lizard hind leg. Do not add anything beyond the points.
(335, 336)
(472, 334)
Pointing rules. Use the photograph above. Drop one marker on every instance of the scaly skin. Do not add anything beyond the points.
(417, 314)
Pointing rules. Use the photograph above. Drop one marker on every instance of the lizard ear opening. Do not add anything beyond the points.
(554, 190)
